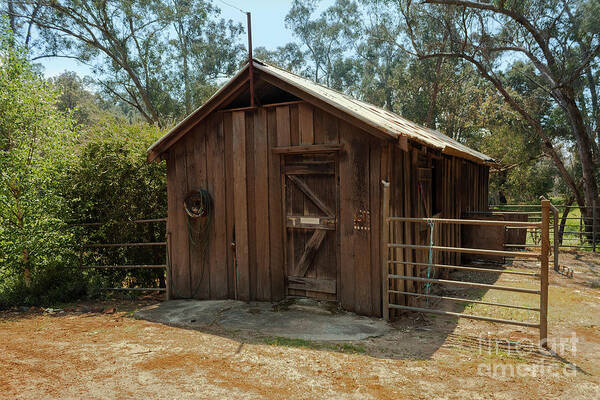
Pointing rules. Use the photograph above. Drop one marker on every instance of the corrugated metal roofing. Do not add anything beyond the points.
(386, 121)
(380, 119)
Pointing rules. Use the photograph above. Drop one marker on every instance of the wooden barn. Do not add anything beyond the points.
(294, 170)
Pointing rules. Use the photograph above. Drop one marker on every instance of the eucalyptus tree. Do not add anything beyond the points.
(33, 136)
(154, 56)
(560, 39)
(324, 36)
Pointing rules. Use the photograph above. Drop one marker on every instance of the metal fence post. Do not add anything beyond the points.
(385, 238)
(545, 249)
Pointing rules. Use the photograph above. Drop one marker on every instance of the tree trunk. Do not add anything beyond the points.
(563, 219)
(594, 97)
(26, 269)
(11, 17)
(434, 94)
(584, 149)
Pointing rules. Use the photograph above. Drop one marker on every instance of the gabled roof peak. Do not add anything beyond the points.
(382, 120)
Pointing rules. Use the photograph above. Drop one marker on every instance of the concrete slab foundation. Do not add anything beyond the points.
(300, 320)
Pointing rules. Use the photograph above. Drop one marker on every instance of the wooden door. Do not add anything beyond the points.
(310, 195)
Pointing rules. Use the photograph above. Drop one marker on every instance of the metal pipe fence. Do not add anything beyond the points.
(389, 259)
(165, 266)
(584, 234)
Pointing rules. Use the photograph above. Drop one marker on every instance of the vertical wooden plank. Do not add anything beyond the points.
(195, 143)
(240, 204)
(385, 213)
(229, 201)
(216, 183)
(283, 125)
(346, 227)
(261, 196)
(408, 212)
(354, 198)
(283, 138)
(180, 261)
(276, 223)
(250, 187)
(399, 191)
(375, 202)
(325, 127)
(306, 127)
(294, 125)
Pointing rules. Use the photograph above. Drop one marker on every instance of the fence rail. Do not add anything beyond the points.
(542, 255)
(165, 266)
(585, 236)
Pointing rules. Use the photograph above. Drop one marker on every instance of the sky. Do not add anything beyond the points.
(268, 29)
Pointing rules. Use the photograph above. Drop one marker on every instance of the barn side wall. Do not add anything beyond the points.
(458, 186)
(229, 154)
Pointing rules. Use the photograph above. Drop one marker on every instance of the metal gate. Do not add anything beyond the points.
(541, 254)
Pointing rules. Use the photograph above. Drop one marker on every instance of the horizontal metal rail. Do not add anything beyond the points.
(521, 224)
(505, 212)
(465, 250)
(466, 284)
(460, 267)
(137, 221)
(461, 315)
(122, 266)
(126, 244)
(137, 289)
(538, 206)
(459, 300)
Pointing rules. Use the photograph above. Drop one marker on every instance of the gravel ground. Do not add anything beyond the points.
(93, 351)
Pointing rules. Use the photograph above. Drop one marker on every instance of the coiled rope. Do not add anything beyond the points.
(199, 209)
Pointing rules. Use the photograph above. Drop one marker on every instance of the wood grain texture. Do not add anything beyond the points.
(375, 207)
(240, 205)
(216, 186)
(180, 258)
(310, 252)
(283, 126)
(195, 144)
(276, 230)
(261, 206)
(229, 203)
(306, 127)
(251, 203)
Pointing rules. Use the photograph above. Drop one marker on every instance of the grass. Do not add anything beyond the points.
(302, 343)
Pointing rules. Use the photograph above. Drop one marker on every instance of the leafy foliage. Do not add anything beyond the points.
(35, 256)
(110, 180)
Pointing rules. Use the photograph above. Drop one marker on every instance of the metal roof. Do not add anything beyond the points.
(376, 117)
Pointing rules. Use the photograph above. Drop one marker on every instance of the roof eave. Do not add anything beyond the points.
(156, 150)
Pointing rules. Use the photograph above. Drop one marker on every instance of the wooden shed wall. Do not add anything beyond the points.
(459, 186)
(229, 154)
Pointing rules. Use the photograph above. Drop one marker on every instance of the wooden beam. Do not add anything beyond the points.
(315, 148)
(310, 252)
(403, 143)
(184, 126)
(312, 284)
(311, 195)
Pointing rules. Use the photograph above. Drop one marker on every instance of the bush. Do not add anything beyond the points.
(111, 182)
(35, 249)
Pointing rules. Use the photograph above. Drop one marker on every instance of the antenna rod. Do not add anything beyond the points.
(250, 66)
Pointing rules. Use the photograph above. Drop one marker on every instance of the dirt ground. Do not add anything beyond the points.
(86, 353)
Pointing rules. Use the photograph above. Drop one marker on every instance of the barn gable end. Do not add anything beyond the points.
(296, 188)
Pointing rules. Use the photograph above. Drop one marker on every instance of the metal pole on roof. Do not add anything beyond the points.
(250, 66)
